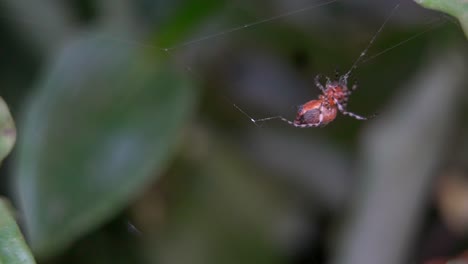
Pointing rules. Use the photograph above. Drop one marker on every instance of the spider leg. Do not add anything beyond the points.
(342, 109)
(269, 118)
(273, 118)
(288, 121)
(350, 91)
(355, 86)
(358, 117)
(307, 125)
(345, 103)
(292, 123)
(344, 79)
(318, 84)
(337, 73)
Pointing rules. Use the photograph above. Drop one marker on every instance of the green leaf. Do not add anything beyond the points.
(456, 8)
(7, 130)
(104, 123)
(13, 249)
(185, 19)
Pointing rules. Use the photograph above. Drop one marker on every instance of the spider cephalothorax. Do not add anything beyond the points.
(323, 110)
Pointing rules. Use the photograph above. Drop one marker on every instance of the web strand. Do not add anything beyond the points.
(256, 23)
(363, 53)
(433, 26)
(244, 113)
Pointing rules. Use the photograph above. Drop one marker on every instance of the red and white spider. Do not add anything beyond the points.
(334, 97)
(319, 112)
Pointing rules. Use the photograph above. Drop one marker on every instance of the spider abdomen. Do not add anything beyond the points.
(316, 113)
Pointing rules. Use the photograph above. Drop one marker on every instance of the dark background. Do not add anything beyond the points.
(211, 186)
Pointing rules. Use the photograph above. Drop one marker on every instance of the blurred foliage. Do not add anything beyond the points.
(130, 150)
(7, 130)
(184, 18)
(456, 8)
(124, 115)
(13, 248)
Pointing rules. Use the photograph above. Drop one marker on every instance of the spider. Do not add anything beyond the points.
(321, 111)
(334, 97)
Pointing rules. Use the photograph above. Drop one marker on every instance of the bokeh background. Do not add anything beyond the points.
(130, 149)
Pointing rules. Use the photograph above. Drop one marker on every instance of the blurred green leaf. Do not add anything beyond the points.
(219, 209)
(456, 8)
(187, 16)
(103, 123)
(13, 249)
(7, 130)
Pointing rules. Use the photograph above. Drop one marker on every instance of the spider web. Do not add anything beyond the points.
(311, 8)
(172, 50)
(433, 24)
(206, 40)
(306, 10)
